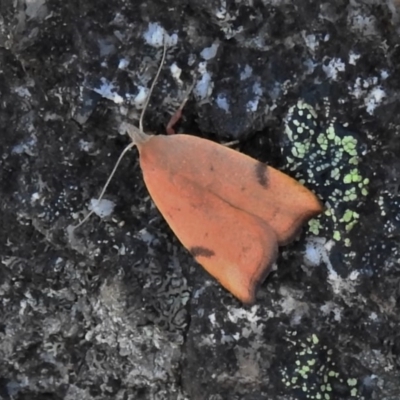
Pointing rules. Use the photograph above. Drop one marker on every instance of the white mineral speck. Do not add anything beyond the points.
(154, 36)
(246, 73)
(204, 85)
(209, 52)
(333, 68)
(176, 72)
(222, 102)
(108, 91)
(123, 63)
(353, 57)
(374, 98)
(252, 105)
(140, 98)
(102, 208)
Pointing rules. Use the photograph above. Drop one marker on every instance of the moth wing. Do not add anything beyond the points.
(245, 183)
(235, 247)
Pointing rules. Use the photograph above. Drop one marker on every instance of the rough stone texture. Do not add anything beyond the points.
(119, 310)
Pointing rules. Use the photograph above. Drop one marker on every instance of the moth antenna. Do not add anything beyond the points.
(137, 135)
(127, 148)
(153, 84)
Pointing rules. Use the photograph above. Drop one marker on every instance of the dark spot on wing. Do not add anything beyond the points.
(245, 249)
(261, 171)
(201, 251)
(211, 168)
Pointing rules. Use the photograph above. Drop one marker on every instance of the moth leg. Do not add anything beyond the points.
(175, 118)
(178, 113)
(231, 144)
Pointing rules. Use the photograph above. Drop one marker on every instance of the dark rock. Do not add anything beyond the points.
(118, 309)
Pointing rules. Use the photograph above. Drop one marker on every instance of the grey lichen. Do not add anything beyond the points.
(389, 208)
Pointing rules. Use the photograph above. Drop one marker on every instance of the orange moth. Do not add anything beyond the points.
(229, 210)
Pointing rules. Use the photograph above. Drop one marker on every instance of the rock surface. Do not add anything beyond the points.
(119, 310)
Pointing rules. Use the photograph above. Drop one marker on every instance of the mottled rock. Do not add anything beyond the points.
(118, 309)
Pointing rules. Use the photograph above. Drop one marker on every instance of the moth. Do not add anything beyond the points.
(230, 211)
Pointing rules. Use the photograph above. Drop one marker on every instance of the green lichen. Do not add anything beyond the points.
(313, 374)
(326, 156)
